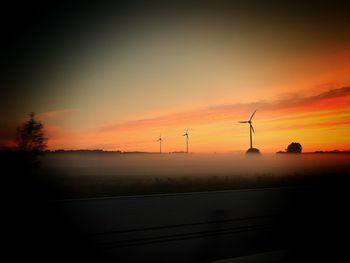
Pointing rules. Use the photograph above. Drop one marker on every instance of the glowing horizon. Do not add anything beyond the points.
(120, 82)
(319, 122)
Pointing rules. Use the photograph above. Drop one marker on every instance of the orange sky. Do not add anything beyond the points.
(318, 122)
(129, 81)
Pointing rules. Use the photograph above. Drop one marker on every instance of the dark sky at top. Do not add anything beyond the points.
(34, 31)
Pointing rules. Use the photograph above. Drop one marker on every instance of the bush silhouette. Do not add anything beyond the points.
(294, 147)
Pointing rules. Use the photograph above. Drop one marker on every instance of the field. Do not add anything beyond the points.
(73, 175)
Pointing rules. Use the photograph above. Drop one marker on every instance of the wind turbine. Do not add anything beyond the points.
(250, 128)
(160, 143)
(186, 134)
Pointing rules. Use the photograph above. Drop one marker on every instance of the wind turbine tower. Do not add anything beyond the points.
(160, 143)
(186, 134)
(251, 129)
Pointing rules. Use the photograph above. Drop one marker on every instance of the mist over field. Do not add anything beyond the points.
(163, 165)
(80, 175)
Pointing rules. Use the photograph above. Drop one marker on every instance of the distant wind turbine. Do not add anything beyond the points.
(160, 143)
(250, 128)
(186, 134)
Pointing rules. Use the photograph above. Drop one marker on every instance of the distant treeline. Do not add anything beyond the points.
(140, 152)
(319, 152)
(90, 151)
(104, 151)
(5, 150)
(334, 151)
(101, 151)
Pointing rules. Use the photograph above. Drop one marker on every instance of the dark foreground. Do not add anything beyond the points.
(306, 222)
(290, 224)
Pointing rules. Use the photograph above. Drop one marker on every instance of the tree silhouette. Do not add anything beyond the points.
(30, 137)
(294, 147)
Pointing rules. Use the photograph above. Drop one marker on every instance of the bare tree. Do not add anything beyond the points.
(30, 136)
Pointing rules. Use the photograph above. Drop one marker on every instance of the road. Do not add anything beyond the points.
(239, 225)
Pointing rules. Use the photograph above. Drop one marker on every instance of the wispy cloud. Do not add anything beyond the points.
(54, 114)
(334, 98)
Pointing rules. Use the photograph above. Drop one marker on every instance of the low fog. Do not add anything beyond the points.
(193, 164)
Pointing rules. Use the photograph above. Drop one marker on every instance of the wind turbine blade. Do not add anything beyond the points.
(252, 115)
(251, 126)
(242, 122)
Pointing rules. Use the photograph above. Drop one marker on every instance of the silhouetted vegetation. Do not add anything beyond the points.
(31, 142)
(279, 152)
(294, 147)
(21, 164)
(99, 151)
(332, 152)
(30, 137)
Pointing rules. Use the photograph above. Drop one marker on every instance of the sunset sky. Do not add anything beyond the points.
(117, 80)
